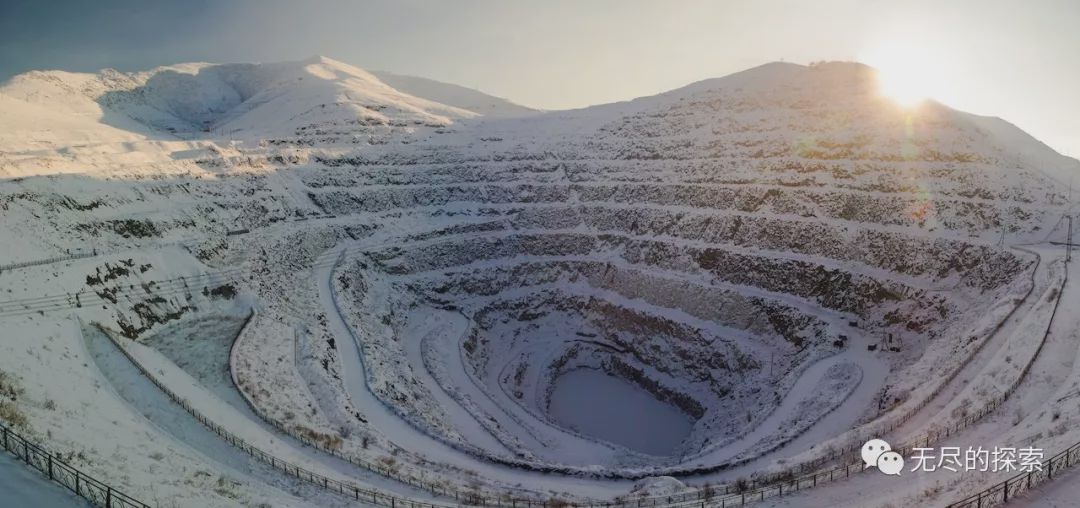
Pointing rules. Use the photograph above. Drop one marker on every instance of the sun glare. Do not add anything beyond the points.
(904, 73)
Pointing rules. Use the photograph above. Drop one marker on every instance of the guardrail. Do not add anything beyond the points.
(46, 261)
(1001, 493)
(50, 465)
(77, 255)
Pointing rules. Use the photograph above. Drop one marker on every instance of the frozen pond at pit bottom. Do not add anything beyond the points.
(606, 407)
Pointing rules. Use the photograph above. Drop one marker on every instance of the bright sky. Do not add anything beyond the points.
(1019, 60)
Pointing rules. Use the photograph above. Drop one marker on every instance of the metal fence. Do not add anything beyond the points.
(47, 261)
(52, 466)
(1001, 493)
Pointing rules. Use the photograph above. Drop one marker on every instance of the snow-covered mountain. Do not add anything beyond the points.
(311, 99)
(757, 251)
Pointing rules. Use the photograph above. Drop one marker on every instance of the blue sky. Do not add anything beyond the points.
(1017, 60)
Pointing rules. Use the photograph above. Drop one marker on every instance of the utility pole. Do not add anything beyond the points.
(1068, 241)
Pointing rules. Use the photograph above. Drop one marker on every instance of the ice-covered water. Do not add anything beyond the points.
(618, 411)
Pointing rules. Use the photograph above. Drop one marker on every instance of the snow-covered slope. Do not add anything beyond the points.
(42, 112)
(454, 95)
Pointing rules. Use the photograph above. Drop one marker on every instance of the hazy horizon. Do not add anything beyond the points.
(990, 58)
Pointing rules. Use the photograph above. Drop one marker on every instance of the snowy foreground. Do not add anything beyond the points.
(304, 284)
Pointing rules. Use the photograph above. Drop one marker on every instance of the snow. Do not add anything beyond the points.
(234, 413)
(184, 431)
(1027, 418)
(454, 95)
(429, 326)
(1061, 168)
(238, 99)
(384, 418)
(443, 280)
(1061, 493)
(77, 413)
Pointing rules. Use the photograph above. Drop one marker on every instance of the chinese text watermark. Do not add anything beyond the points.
(877, 453)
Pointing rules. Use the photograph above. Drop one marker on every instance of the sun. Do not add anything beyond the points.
(906, 74)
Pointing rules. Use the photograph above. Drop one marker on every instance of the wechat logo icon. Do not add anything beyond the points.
(877, 453)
